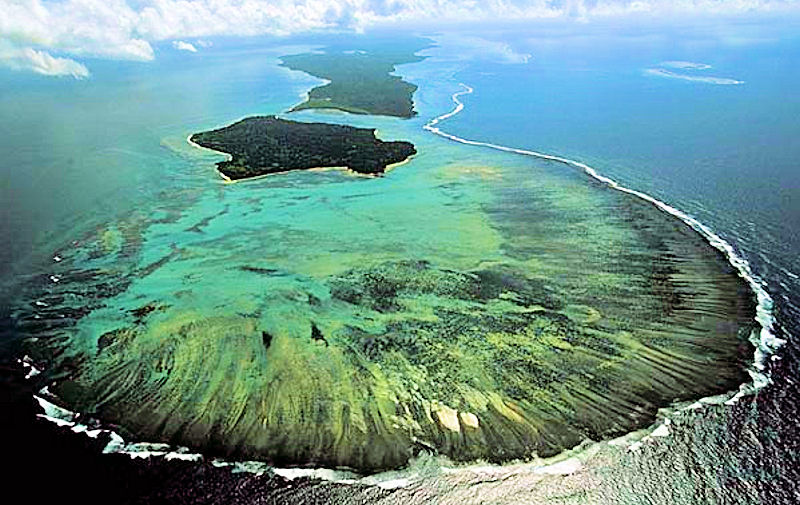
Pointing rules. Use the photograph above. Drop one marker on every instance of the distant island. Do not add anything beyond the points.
(360, 82)
(263, 145)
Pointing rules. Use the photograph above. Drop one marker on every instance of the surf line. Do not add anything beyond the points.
(766, 342)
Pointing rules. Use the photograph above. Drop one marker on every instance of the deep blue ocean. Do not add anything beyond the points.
(700, 118)
(726, 154)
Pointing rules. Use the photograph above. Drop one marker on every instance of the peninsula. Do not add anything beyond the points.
(360, 82)
(263, 145)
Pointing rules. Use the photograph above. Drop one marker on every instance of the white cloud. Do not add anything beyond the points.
(124, 29)
(41, 62)
(472, 47)
(104, 28)
(183, 46)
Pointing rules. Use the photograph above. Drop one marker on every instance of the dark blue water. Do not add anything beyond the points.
(77, 155)
(727, 155)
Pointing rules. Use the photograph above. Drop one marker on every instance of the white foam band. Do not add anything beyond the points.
(765, 341)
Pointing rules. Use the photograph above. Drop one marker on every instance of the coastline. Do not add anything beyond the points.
(229, 156)
(766, 343)
(145, 450)
(344, 170)
(388, 168)
(568, 462)
(305, 95)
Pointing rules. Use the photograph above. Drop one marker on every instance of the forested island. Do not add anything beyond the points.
(262, 145)
(360, 82)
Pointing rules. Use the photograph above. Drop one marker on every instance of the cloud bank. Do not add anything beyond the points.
(471, 47)
(31, 30)
(40, 62)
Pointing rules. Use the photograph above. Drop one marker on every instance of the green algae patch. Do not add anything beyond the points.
(394, 359)
(482, 311)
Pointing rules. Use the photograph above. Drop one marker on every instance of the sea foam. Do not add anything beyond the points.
(662, 72)
(765, 340)
(685, 65)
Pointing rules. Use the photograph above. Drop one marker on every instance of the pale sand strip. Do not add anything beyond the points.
(228, 157)
(344, 170)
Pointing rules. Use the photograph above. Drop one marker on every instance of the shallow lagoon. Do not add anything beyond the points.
(477, 303)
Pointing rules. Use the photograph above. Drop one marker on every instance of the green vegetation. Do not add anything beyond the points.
(265, 144)
(395, 358)
(361, 82)
(319, 327)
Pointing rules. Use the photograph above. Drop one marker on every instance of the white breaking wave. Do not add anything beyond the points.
(791, 274)
(685, 65)
(722, 81)
(765, 342)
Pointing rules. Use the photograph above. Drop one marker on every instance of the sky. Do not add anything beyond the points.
(57, 37)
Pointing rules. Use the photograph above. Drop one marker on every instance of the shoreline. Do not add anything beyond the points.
(345, 170)
(145, 450)
(766, 343)
(229, 156)
(565, 463)
(305, 96)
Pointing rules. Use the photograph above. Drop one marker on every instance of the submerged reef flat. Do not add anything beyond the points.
(587, 312)
(265, 144)
(360, 82)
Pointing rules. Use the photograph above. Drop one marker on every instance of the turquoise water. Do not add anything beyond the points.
(725, 154)
(82, 150)
(188, 279)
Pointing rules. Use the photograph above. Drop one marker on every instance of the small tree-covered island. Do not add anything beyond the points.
(360, 82)
(263, 145)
